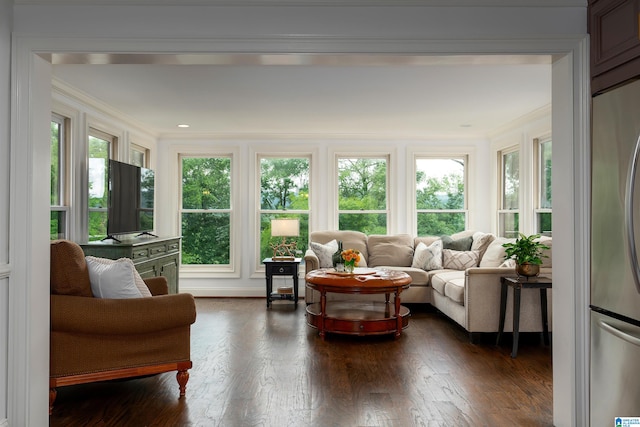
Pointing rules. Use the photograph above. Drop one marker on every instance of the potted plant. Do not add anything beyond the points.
(527, 252)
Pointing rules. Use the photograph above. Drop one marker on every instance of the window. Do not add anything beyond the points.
(59, 210)
(284, 193)
(139, 156)
(543, 182)
(508, 214)
(440, 195)
(206, 210)
(102, 147)
(362, 195)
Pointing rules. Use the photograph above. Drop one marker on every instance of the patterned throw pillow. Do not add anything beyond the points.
(428, 257)
(324, 252)
(460, 260)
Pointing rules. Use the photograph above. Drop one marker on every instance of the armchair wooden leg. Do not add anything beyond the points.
(52, 398)
(182, 377)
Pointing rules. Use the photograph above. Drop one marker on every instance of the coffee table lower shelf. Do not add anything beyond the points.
(357, 318)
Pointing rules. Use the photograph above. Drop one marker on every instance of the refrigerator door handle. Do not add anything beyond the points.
(629, 207)
(620, 334)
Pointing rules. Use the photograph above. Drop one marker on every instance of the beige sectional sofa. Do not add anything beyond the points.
(466, 287)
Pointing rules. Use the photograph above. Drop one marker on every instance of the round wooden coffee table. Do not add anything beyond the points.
(358, 317)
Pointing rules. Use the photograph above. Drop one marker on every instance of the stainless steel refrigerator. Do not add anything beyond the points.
(615, 247)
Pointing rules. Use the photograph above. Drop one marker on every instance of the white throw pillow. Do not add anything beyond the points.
(324, 252)
(428, 257)
(459, 260)
(116, 279)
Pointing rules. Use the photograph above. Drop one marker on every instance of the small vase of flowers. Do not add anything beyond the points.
(351, 258)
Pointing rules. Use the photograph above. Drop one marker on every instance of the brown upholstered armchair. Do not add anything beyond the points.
(95, 339)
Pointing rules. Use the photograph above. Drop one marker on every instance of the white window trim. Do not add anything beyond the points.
(390, 209)
(537, 178)
(278, 150)
(441, 152)
(234, 268)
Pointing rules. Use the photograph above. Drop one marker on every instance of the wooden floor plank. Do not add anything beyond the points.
(258, 367)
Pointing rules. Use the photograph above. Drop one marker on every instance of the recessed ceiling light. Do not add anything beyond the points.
(183, 125)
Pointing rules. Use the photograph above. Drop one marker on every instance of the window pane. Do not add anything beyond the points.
(97, 225)
(545, 175)
(57, 225)
(99, 153)
(510, 180)
(206, 238)
(284, 183)
(206, 183)
(544, 223)
(440, 184)
(56, 129)
(362, 184)
(266, 250)
(509, 224)
(368, 223)
(436, 224)
(137, 157)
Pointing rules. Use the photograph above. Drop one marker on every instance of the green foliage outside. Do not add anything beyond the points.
(440, 191)
(98, 187)
(206, 204)
(284, 193)
(362, 187)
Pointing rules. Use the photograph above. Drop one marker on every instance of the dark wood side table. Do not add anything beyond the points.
(518, 283)
(281, 268)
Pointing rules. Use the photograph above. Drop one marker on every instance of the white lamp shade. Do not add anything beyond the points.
(285, 227)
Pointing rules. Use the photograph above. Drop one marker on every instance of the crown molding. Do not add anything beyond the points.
(315, 3)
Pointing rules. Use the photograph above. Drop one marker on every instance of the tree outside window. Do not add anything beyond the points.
(508, 215)
(543, 211)
(284, 193)
(206, 210)
(57, 224)
(100, 147)
(362, 195)
(440, 195)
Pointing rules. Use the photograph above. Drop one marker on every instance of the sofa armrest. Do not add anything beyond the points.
(84, 315)
(482, 297)
(157, 285)
(311, 261)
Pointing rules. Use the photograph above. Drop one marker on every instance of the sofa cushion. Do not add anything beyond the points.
(427, 240)
(350, 240)
(419, 277)
(392, 250)
(454, 289)
(69, 274)
(494, 255)
(428, 257)
(440, 279)
(481, 241)
(113, 278)
(460, 260)
(546, 261)
(324, 252)
(461, 244)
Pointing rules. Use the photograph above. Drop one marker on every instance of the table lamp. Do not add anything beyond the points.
(284, 228)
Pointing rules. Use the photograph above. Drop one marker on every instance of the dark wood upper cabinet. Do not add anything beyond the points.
(615, 42)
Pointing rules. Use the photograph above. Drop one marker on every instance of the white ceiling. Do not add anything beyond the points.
(366, 95)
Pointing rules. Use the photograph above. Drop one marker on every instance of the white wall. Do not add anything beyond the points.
(496, 29)
(6, 13)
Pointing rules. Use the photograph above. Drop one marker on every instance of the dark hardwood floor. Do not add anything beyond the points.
(259, 367)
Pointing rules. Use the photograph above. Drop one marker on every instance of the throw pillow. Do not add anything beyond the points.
(463, 244)
(115, 279)
(459, 260)
(510, 263)
(324, 252)
(494, 255)
(428, 257)
(481, 242)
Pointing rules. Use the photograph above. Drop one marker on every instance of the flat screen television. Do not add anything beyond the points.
(130, 199)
